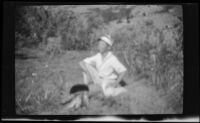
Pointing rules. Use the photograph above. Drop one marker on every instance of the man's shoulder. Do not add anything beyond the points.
(95, 55)
(113, 55)
(116, 58)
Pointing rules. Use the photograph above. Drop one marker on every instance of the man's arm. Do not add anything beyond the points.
(120, 69)
(90, 60)
(120, 77)
(83, 66)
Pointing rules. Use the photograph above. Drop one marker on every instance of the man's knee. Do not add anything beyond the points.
(85, 66)
(89, 66)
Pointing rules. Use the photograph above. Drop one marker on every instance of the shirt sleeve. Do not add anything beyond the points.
(118, 66)
(91, 60)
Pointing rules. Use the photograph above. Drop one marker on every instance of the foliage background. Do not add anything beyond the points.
(148, 40)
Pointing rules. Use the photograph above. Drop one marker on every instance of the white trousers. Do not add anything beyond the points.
(108, 90)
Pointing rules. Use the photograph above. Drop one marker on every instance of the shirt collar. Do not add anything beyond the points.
(107, 56)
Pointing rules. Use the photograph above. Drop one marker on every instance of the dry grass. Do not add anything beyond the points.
(40, 87)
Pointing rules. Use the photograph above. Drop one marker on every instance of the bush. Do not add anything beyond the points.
(36, 24)
(153, 52)
(53, 47)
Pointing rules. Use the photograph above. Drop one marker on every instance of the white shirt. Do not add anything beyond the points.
(106, 67)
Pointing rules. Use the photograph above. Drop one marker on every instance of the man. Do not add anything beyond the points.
(104, 69)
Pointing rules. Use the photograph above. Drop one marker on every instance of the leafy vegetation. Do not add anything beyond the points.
(148, 40)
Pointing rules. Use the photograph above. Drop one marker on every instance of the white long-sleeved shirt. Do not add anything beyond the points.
(106, 67)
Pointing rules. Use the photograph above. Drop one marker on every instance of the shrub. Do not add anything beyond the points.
(153, 52)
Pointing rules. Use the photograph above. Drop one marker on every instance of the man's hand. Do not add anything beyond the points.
(118, 80)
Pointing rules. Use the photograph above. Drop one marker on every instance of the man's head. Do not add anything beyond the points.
(105, 43)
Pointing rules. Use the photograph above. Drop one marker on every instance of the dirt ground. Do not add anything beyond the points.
(42, 83)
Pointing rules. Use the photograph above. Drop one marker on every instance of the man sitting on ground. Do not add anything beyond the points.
(104, 69)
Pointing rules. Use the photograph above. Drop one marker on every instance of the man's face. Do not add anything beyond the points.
(102, 46)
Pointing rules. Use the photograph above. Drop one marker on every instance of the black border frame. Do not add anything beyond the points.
(191, 63)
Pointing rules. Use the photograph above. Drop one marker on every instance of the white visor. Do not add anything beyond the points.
(107, 40)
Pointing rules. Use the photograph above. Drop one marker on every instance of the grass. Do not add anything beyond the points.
(41, 85)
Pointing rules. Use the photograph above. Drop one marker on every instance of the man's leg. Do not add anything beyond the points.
(86, 78)
(95, 89)
(91, 75)
(110, 90)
